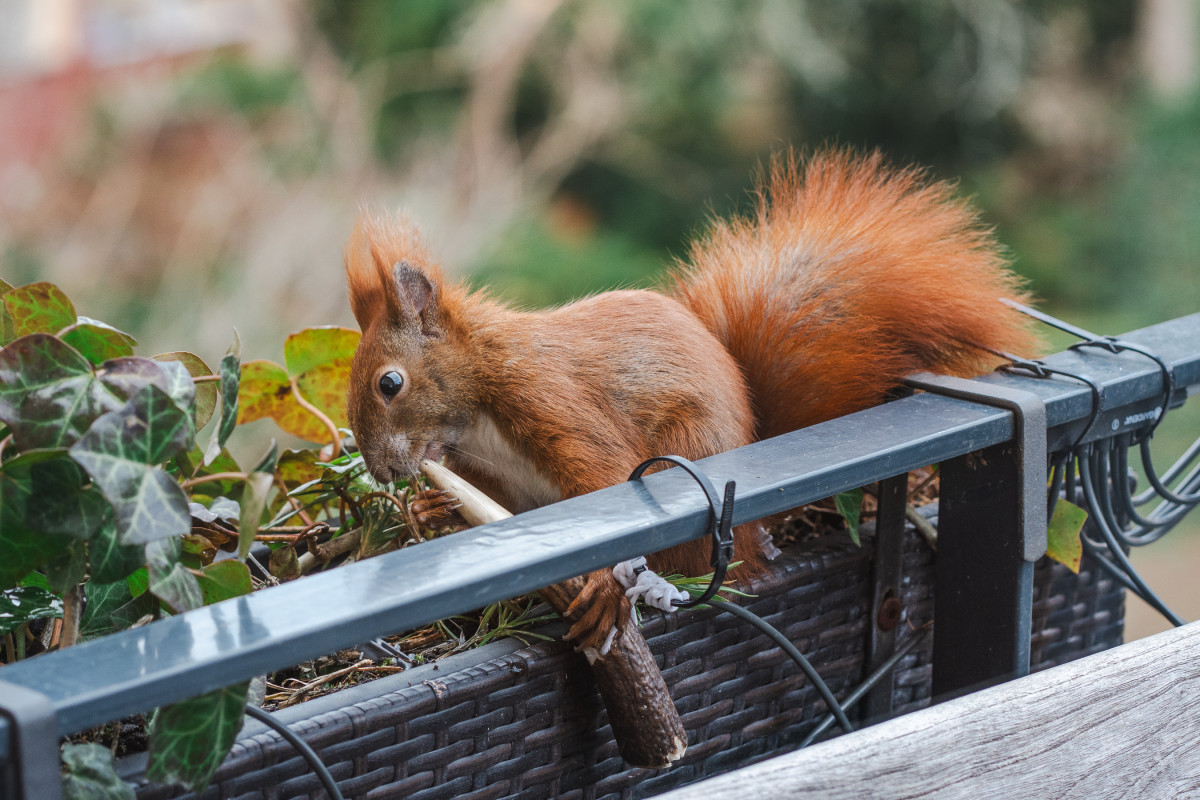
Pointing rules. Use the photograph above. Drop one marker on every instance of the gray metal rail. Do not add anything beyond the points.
(218, 645)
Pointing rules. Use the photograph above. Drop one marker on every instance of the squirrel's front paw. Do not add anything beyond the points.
(435, 508)
(598, 613)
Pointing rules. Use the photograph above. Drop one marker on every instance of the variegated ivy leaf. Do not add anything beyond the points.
(50, 393)
(170, 581)
(91, 774)
(44, 507)
(206, 393)
(227, 419)
(25, 604)
(109, 559)
(189, 740)
(120, 450)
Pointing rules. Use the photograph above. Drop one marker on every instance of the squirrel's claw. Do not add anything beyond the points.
(598, 612)
(435, 508)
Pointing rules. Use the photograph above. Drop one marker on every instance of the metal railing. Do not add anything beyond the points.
(215, 646)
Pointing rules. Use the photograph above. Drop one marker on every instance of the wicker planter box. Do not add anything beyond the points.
(525, 722)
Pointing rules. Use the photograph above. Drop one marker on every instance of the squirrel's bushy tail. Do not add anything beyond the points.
(850, 275)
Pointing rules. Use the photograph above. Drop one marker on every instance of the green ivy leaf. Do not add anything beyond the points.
(25, 604)
(256, 491)
(102, 599)
(68, 567)
(225, 579)
(39, 308)
(189, 740)
(23, 547)
(110, 560)
(206, 393)
(1062, 535)
(61, 505)
(227, 419)
(118, 451)
(97, 340)
(182, 389)
(171, 581)
(50, 394)
(849, 505)
(91, 774)
(134, 610)
(139, 580)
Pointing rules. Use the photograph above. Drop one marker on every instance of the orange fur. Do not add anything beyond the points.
(849, 276)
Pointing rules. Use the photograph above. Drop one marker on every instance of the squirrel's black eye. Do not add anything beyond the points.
(391, 383)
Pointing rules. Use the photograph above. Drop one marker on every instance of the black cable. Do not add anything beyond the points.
(1171, 474)
(1114, 548)
(864, 687)
(1152, 476)
(314, 761)
(789, 648)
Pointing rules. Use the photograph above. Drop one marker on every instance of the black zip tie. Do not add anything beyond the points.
(1039, 369)
(720, 522)
(1109, 343)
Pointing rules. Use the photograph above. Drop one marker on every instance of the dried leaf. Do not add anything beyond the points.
(1062, 534)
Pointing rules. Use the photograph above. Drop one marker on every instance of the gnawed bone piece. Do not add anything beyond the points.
(644, 719)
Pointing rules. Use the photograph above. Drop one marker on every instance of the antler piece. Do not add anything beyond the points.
(643, 717)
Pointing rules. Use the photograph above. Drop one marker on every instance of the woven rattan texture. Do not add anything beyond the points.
(530, 725)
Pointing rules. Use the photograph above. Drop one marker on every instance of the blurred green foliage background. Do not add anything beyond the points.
(552, 148)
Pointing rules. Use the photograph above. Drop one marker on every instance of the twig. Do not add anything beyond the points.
(922, 525)
(308, 687)
(293, 502)
(334, 435)
(387, 495)
(72, 606)
(216, 476)
(323, 553)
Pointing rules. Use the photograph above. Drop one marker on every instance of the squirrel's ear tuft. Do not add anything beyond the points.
(368, 297)
(380, 259)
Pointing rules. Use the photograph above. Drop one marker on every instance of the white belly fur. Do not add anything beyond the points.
(486, 450)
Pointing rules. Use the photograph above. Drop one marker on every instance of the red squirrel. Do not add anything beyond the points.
(849, 275)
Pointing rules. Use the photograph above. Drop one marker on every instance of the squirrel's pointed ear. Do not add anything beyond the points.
(418, 296)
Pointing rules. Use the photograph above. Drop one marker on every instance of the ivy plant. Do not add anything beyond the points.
(111, 513)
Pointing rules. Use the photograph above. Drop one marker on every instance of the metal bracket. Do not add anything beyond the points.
(31, 770)
(1029, 435)
(991, 528)
(887, 572)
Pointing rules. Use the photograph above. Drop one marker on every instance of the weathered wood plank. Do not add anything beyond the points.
(1120, 724)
